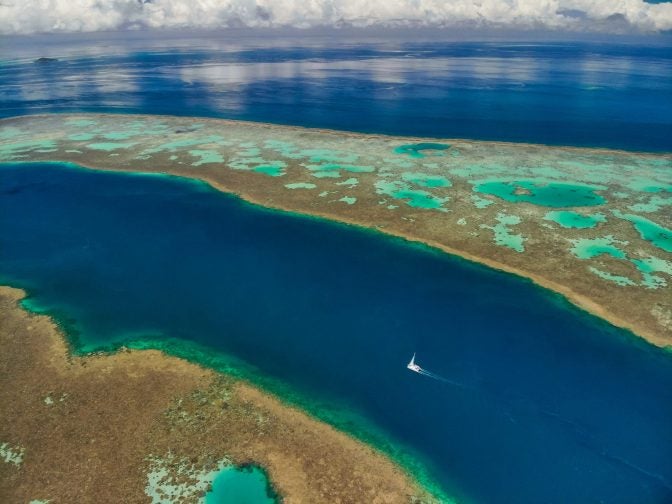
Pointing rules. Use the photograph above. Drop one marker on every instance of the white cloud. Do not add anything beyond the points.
(31, 16)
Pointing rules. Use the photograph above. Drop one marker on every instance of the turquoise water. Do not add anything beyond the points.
(542, 403)
(587, 248)
(274, 170)
(660, 236)
(504, 235)
(240, 485)
(420, 150)
(575, 220)
(418, 199)
(425, 180)
(551, 194)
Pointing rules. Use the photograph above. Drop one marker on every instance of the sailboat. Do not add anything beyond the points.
(417, 369)
(413, 366)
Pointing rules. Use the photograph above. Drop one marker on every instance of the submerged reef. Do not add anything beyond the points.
(141, 426)
(592, 224)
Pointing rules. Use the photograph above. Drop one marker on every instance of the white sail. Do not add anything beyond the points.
(412, 365)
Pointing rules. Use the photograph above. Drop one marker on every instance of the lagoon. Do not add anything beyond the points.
(240, 485)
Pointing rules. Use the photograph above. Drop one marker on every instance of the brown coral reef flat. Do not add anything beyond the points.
(591, 224)
(84, 429)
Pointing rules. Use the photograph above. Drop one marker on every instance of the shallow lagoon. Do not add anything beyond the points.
(240, 485)
(543, 193)
(546, 404)
(574, 220)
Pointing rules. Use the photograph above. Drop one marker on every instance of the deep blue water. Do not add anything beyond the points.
(571, 93)
(547, 404)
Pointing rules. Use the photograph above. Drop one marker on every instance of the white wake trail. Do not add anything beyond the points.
(437, 377)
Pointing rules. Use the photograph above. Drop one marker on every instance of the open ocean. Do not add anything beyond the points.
(562, 93)
(541, 402)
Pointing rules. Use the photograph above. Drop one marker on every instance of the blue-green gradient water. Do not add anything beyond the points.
(545, 403)
(240, 485)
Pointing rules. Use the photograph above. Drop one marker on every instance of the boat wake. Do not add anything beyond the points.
(417, 369)
(580, 434)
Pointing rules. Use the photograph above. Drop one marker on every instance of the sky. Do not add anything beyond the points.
(603, 16)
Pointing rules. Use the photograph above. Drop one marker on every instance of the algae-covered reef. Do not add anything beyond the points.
(141, 426)
(591, 224)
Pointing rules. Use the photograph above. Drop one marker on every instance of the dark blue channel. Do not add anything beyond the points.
(543, 403)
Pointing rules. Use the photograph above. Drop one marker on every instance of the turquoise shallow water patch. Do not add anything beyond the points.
(416, 198)
(206, 156)
(240, 485)
(587, 248)
(327, 174)
(617, 279)
(648, 266)
(172, 480)
(654, 204)
(419, 150)
(574, 220)
(653, 264)
(11, 454)
(480, 202)
(658, 235)
(649, 185)
(273, 169)
(551, 194)
(503, 235)
(349, 183)
(300, 185)
(426, 180)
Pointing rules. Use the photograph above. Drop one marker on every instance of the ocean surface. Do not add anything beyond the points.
(616, 94)
(537, 401)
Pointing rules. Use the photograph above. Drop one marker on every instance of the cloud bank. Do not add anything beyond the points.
(36, 16)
